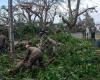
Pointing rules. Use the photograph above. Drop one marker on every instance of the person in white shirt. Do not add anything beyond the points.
(87, 32)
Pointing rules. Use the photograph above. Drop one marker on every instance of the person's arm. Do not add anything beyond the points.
(54, 42)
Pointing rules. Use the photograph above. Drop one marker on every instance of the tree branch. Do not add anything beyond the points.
(76, 12)
(65, 21)
(92, 8)
(34, 12)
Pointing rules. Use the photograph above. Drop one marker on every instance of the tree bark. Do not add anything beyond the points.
(70, 10)
(76, 12)
(11, 34)
(29, 16)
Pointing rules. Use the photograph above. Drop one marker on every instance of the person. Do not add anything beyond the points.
(87, 32)
(3, 42)
(34, 54)
(49, 45)
(93, 30)
(83, 33)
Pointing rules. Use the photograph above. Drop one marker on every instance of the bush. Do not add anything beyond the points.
(75, 61)
(26, 32)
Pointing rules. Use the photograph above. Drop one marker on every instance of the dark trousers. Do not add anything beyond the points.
(93, 38)
(2, 49)
(93, 35)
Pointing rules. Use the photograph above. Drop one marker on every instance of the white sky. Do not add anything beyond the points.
(84, 3)
(91, 3)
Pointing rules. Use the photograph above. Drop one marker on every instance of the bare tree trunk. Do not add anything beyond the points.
(41, 21)
(11, 34)
(34, 19)
(45, 20)
(29, 17)
(71, 22)
(45, 15)
(70, 10)
(77, 12)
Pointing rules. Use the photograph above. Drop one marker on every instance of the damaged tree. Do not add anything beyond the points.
(74, 14)
(43, 10)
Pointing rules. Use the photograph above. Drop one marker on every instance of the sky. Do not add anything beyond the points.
(3, 2)
(89, 3)
(95, 15)
(84, 4)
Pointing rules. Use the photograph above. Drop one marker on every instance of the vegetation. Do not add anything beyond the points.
(76, 60)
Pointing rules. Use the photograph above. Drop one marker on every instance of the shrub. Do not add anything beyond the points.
(75, 61)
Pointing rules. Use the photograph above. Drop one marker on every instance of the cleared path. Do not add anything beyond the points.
(79, 35)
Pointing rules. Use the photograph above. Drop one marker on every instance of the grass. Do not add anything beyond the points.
(76, 60)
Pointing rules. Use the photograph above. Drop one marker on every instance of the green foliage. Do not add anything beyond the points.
(26, 32)
(76, 60)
